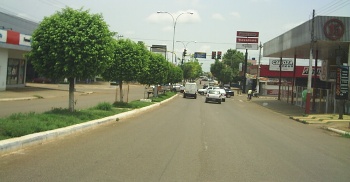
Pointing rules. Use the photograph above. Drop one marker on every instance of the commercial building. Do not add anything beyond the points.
(329, 38)
(15, 36)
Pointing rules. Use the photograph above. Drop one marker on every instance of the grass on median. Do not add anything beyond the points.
(21, 124)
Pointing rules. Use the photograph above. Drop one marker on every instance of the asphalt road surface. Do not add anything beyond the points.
(189, 140)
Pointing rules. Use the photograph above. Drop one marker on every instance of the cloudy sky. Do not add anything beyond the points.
(213, 24)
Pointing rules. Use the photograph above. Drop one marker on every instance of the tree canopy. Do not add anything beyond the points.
(71, 44)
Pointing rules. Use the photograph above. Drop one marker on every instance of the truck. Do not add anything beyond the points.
(190, 90)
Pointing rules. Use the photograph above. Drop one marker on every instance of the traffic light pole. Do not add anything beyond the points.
(245, 71)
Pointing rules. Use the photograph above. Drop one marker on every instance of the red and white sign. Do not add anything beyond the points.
(247, 34)
(246, 40)
(13, 37)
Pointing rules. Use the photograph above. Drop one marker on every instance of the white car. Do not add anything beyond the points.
(177, 87)
(223, 94)
(213, 96)
(205, 90)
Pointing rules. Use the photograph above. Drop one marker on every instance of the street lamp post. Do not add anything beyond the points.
(174, 23)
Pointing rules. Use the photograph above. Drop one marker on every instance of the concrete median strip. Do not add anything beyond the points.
(13, 144)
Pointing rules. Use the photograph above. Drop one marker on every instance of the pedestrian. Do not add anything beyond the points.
(250, 92)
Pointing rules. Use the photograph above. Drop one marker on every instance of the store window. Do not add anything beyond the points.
(15, 71)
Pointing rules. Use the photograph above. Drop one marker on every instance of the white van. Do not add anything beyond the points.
(190, 90)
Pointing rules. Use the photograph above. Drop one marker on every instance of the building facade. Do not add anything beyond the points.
(15, 37)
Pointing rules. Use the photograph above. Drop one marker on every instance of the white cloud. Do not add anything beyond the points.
(217, 16)
(235, 14)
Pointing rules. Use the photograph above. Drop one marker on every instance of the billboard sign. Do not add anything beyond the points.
(247, 46)
(247, 40)
(287, 65)
(247, 34)
(341, 83)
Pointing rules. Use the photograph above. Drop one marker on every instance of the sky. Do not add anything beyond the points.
(212, 26)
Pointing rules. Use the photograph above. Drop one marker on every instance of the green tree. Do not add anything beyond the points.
(130, 60)
(175, 74)
(216, 69)
(157, 70)
(191, 70)
(71, 44)
(233, 58)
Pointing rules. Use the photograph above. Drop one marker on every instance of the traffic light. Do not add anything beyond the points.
(219, 54)
(184, 53)
(213, 54)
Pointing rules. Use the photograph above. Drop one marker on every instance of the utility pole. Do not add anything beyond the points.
(245, 71)
(258, 73)
(309, 89)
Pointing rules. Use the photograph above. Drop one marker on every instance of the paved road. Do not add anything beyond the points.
(189, 140)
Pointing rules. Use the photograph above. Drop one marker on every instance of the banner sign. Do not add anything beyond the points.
(341, 83)
(287, 65)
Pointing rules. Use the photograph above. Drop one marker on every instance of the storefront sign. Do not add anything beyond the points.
(3, 35)
(287, 65)
(306, 71)
(334, 29)
(341, 83)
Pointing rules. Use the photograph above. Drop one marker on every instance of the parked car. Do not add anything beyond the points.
(190, 90)
(229, 92)
(182, 89)
(223, 94)
(177, 87)
(213, 96)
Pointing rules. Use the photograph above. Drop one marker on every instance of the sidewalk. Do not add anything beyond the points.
(38, 90)
(326, 121)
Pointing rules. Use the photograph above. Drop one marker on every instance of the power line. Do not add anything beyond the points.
(333, 6)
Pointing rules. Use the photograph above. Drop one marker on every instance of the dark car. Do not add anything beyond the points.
(229, 92)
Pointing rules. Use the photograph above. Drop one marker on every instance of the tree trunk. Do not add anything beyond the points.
(71, 94)
(127, 93)
(121, 91)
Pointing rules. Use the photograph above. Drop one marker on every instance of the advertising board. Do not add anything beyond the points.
(287, 65)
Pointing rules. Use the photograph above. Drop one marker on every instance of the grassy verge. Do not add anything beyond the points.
(21, 124)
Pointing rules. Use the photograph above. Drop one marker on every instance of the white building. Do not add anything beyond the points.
(14, 44)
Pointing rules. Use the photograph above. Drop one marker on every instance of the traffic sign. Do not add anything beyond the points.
(200, 55)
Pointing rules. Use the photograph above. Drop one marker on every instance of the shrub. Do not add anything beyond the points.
(105, 106)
